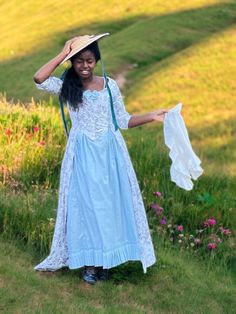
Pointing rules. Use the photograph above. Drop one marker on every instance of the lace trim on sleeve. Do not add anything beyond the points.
(122, 116)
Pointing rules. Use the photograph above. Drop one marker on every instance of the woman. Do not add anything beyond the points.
(101, 221)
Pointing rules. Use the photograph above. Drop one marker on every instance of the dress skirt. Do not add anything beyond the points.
(101, 228)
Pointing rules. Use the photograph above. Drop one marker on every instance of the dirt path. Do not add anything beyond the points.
(121, 76)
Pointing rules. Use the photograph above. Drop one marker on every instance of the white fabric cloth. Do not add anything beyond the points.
(93, 118)
(185, 163)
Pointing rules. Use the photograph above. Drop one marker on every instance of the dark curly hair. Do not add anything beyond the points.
(72, 87)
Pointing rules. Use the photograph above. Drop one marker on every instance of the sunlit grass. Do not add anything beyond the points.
(139, 34)
(32, 23)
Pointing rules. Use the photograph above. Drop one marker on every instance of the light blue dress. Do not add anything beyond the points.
(101, 219)
(101, 228)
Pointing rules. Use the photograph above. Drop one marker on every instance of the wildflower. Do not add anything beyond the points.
(227, 232)
(218, 240)
(36, 129)
(163, 221)
(181, 235)
(169, 226)
(197, 241)
(192, 244)
(180, 241)
(8, 132)
(157, 208)
(157, 194)
(209, 222)
(180, 228)
(41, 143)
(212, 246)
(159, 211)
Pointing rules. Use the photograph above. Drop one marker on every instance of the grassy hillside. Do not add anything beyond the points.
(139, 34)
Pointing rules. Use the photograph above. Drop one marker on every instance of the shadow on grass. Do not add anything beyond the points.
(129, 272)
(143, 39)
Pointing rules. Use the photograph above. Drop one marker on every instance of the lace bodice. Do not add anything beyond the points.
(94, 115)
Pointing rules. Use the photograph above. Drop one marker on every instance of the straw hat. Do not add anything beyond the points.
(81, 43)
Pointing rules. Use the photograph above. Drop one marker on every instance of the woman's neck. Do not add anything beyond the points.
(88, 81)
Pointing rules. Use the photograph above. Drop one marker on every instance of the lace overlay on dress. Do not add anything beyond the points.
(93, 118)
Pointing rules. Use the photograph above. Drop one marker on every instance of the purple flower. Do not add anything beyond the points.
(157, 194)
(212, 246)
(157, 208)
(180, 228)
(163, 221)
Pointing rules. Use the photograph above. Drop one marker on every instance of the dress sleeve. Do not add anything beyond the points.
(122, 116)
(52, 85)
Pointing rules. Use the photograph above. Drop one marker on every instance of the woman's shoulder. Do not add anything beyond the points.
(112, 83)
(52, 85)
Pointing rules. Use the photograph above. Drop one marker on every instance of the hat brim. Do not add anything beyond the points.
(79, 48)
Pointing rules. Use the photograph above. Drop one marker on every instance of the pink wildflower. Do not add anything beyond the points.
(226, 232)
(180, 228)
(36, 129)
(157, 209)
(42, 143)
(158, 194)
(155, 206)
(212, 246)
(8, 132)
(209, 222)
(197, 241)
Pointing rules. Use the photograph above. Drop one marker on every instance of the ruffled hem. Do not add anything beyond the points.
(107, 259)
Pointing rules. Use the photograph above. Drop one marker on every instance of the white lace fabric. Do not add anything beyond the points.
(93, 118)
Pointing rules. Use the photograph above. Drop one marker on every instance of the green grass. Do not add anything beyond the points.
(177, 284)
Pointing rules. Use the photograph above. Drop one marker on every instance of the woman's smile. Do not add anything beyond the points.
(85, 71)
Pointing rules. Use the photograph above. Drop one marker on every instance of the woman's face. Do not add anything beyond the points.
(84, 64)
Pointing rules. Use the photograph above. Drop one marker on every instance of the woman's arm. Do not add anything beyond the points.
(157, 115)
(45, 71)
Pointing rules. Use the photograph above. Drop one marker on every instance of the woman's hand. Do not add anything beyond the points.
(67, 47)
(159, 115)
